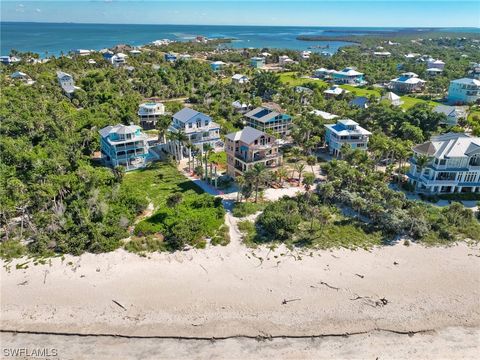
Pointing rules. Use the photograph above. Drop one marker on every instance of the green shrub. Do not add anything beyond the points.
(11, 249)
(243, 209)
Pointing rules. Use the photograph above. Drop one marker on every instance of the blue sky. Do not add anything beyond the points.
(420, 13)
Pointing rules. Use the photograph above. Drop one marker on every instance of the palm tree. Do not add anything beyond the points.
(189, 147)
(312, 160)
(299, 167)
(207, 150)
(182, 140)
(163, 123)
(281, 174)
(421, 161)
(256, 175)
(240, 180)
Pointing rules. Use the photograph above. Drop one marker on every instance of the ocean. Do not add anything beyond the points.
(53, 38)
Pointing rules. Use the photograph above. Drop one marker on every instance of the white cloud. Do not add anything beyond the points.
(38, 10)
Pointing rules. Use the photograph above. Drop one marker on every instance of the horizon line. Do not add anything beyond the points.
(243, 25)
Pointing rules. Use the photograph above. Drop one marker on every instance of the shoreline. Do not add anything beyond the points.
(222, 292)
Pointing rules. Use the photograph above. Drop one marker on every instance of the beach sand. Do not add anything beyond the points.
(232, 291)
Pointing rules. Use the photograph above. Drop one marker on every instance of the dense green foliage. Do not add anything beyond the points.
(55, 198)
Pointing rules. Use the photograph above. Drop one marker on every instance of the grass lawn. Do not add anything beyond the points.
(342, 233)
(290, 79)
(195, 217)
(409, 102)
(157, 182)
(361, 92)
(473, 114)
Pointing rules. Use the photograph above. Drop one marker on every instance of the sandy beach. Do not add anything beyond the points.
(230, 292)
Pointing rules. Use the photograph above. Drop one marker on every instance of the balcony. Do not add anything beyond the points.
(255, 159)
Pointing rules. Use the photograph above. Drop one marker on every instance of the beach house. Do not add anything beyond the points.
(124, 145)
(7, 60)
(284, 60)
(433, 72)
(248, 147)
(464, 91)
(217, 65)
(198, 128)
(407, 83)
(448, 163)
(239, 79)
(257, 62)
(148, 113)
(119, 59)
(170, 57)
(269, 120)
(82, 52)
(392, 98)
(435, 64)
(325, 115)
(323, 73)
(334, 91)
(348, 76)
(18, 75)
(240, 107)
(67, 83)
(453, 113)
(345, 132)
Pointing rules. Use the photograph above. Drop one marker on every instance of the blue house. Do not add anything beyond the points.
(217, 65)
(257, 62)
(107, 55)
(348, 76)
(345, 132)
(170, 57)
(123, 145)
(264, 119)
(464, 91)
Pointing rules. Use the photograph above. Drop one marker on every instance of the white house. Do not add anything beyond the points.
(323, 114)
(149, 112)
(437, 64)
(198, 128)
(7, 60)
(82, 52)
(434, 71)
(240, 107)
(407, 82)
(284, 60)
(345, 132)
(67, 83)
(239, 79)
(382, 53)
(453, 164)
(119, 59)
(334, 91)
(464, 91)
(393, 98)
(18, 75)
(323, 73)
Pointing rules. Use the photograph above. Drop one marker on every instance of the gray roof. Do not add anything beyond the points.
(450, 110)
(466, 81)
(269, 114)
(449, 145)
(247, 135)
(186, 114)
(61, 74)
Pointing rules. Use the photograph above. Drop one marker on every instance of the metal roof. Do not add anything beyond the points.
(449, 145)
(247, 135)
